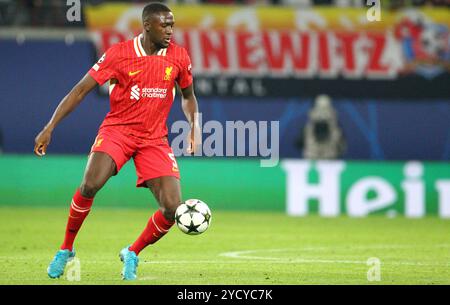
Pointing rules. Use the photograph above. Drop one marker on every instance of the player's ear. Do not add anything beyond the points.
(147, 25)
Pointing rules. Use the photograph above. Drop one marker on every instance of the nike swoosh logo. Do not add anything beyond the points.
(134, 73)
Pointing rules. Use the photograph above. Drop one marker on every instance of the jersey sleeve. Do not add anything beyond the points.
(104, 69)
(185, 77)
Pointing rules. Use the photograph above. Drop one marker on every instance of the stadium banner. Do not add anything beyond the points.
(299, 187)
(281, 51)
(412, 189)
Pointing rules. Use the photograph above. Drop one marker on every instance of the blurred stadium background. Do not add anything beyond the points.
(388, 82)
(363, 107)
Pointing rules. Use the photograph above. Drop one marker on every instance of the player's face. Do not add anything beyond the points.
(160, 28)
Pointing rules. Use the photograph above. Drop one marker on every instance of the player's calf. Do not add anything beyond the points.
(79, 209)
(158, 225)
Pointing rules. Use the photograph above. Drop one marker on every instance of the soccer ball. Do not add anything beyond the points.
(193, 217)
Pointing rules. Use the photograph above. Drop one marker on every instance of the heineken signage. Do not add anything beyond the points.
(300, 187)
(357, 189)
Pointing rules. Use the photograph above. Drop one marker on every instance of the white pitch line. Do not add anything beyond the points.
(295, 261)
(242, 255)
(279, 261)
(148, 278)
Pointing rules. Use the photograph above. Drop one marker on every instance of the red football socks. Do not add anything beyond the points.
(157, 226)
(79, 209)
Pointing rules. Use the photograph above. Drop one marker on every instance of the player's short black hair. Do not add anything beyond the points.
(153, 8)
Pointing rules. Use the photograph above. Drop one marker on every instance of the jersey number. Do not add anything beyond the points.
(174, 162)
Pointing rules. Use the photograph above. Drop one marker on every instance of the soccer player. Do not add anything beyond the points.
(142, 74)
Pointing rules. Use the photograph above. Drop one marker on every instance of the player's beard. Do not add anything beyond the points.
(159, 41)
(164, 43)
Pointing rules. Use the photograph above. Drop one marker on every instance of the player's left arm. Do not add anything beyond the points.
(190, 109)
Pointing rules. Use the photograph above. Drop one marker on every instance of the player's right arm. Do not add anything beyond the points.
(66, 106)
(103, 70)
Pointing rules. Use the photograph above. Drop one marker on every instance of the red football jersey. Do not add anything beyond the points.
(140, 101)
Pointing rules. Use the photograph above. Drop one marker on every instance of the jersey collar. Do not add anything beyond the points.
(140, 52)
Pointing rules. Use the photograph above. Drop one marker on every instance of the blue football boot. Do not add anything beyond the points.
(59, 262)
(130, 264)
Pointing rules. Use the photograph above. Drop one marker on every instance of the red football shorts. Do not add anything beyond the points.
(152, 158)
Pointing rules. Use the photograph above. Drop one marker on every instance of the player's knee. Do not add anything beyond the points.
(89, 189)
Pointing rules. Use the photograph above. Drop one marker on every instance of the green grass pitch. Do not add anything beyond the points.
(239, 248)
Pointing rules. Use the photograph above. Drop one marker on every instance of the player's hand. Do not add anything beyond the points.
(41, 141)
(194, 139)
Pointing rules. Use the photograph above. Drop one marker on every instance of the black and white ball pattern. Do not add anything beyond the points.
(193, 217)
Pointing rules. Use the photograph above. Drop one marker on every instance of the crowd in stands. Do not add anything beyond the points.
(53, 12)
